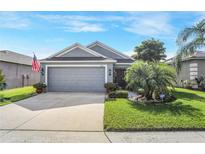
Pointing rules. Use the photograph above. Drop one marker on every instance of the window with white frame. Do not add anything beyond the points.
(193, 69)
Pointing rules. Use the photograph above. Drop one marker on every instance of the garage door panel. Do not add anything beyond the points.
(76, 79)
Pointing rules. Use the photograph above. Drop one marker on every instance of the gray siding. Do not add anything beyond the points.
(13, 74)
(105, 52)
(77, 79)
(184, 74)
(77, 52)
(201, 67)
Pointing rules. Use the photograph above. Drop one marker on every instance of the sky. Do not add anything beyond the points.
(45, 33)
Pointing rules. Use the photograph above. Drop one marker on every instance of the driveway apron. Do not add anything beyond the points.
(55, 111)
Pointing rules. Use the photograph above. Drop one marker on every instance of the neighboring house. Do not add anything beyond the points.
(192, 67)
(17, 69)
(81, 68)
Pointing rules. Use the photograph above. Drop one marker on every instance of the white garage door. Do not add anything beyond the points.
(76, 79)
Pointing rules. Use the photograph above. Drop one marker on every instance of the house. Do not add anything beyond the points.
(17, 69)
(192, 66)
(84, 68)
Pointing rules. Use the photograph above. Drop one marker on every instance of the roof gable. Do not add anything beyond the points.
(108, 51)
(77, 52)
(79, 49)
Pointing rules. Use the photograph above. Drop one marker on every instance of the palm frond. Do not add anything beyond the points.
(191, 47)
(185, 34)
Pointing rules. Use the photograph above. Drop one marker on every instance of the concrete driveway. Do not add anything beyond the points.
(70, 112)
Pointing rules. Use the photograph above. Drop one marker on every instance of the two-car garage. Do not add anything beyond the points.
(76, 78)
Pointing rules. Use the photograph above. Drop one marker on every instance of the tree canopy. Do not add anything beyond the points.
(152, 77)
(150, 50)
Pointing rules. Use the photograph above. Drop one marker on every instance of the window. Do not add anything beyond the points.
(193, 69)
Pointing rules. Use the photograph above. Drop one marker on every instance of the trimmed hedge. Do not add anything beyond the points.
(118, 94)
(121, 94)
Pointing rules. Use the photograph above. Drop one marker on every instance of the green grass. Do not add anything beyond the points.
(16, 94)
(186, 113)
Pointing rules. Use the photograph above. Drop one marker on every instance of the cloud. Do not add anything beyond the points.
(149, 24)
(79, 26)
(75, 23)
(129, 53)
(13, 20)
(143, 23)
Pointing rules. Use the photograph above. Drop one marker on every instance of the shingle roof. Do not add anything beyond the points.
(57, 57)
(84, 59)
(196, 55)
(72, 58)
(13, 57)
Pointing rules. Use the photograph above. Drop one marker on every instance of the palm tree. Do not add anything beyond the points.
(189, 40)
(152, 77)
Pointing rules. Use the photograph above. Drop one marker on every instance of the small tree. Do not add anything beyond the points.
(2, 81)
(150, 50)
(153, 78)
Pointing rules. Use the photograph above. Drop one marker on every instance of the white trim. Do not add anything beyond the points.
(123, 63)
(108, 48)
(96, 61)
(74, 46)
(47, 66)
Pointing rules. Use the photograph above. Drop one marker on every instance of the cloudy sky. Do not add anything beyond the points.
(48, 32)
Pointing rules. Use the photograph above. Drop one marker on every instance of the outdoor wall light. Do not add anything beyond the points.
(110, 72)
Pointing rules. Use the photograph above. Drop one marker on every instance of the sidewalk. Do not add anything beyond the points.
(19, 136)
(157, 137)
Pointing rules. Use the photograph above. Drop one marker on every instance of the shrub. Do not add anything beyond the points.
(121, 94)
(140, 91)
(2, 81)
(169, 98)
(200, 82)
(2, 86)
(187, 84)
(1, 98)
(40, 87)
(110, 87)
(112, 94)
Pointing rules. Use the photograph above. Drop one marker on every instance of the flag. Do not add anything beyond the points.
(35, 64)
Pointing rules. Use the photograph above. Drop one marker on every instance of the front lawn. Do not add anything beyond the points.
(16, 94)
(187, 112)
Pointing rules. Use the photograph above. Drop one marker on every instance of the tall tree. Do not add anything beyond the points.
(189, 40)
(150, 50)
